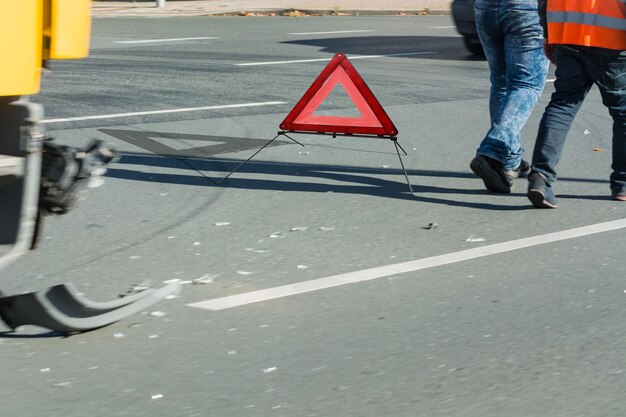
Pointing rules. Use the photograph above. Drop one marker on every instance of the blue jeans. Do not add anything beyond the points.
(577, 69)
(512, 38)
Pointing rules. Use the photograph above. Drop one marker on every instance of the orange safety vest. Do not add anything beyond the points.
(600, 23)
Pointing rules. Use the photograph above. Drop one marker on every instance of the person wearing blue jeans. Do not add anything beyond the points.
(590, 51)
(512, 38)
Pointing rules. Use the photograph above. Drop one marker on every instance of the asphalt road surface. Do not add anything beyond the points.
(347, 302)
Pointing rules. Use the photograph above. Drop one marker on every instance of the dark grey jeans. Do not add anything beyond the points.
(577, 69)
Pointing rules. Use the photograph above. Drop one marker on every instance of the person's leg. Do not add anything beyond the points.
(570, 89)
(609, 69)
(492, 40)
(512, 39)
(525, 74)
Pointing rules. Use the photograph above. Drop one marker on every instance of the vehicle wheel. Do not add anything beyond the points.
(472, 43)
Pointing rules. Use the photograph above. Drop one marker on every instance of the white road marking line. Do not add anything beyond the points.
(403, 267)
(167, 40)
(331, 32)
(298, 61)
(146, 113)
(551, 80)
(442, 27)
(295, 61)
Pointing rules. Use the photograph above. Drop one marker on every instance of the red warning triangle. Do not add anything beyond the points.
(373, 120)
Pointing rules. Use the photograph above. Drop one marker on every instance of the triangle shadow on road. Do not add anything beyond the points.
(182, 144)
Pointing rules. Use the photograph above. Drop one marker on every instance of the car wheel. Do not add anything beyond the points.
(472, 43)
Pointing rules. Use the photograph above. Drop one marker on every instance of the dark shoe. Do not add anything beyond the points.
(493, 174)
(523, 170)
(540, 193)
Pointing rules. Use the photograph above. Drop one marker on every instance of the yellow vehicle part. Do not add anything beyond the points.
(34, 30)
(67, 27)
(21, 25)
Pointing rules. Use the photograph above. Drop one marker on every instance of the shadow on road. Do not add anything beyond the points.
(356, 180)
(440, 47)
(180, 153)
(43, 334)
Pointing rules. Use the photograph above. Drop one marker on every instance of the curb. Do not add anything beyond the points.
(155, 12)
